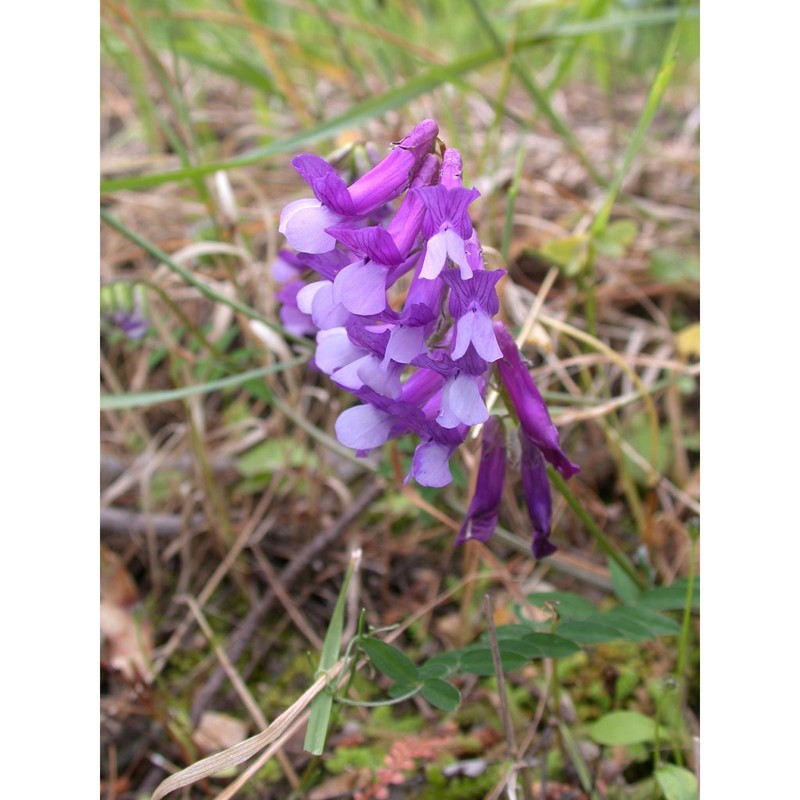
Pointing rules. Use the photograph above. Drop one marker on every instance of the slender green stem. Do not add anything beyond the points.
(683, 645)
(605, 544)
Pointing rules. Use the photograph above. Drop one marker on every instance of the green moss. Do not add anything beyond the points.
(458, 787)
(346, 759)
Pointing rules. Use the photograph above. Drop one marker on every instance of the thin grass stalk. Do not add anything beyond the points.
(202, 287)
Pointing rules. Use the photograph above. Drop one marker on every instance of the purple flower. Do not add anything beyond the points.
(481, 519)
(294, 320)
(529, 404)
(536, 488)
(125, 306)
(473, 303)
(447, 225)
(414, 368)
(304, 222)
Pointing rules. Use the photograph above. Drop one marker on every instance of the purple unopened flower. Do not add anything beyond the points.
(481, 519)
(304, 222)
(536, 489)
(125, 306)
(529, 404)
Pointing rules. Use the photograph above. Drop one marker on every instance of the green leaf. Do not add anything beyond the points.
(440, 665)
(614, 240)
(624, 728)
(657, 624)
(477, 659)
(392, 662)
(670, 598)
(569, 253)
(631, 630)
(551, 646)
(677, 783)
(275, 455)
(670, 266)
(624, 587)
(590, 631)
(441, 694)
(512, 633)
(567, 604)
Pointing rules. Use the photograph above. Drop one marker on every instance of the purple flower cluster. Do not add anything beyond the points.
(421, 367)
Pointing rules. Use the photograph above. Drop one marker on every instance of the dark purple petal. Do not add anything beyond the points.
(329, 264)
(536, 488)
(447, 208)
(369, 338)
(481, 519)
(481, 289)
(326, 184)
(529, 404)
(374, 242)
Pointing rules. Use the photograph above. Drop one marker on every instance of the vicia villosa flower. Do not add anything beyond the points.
(420, 360)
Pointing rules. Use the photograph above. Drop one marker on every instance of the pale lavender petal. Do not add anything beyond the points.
(361, 288)
(383, 381)
(482, 335)
(465, 400)
(334, 350)
(464, 329)
(435, 256)
(347, 376)
(405, 344)
(363, 427)
(457, 253)
(431, 464)
(325, 312)
(303, 223)
(447, 418)
(305, 297)
(296, 322)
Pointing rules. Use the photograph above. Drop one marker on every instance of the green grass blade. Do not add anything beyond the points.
(317, 730)
(392, 99)
(654, 97)
(118, 402)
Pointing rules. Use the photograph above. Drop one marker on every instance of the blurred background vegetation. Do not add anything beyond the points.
(222, 481)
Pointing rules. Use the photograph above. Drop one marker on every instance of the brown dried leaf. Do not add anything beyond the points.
(129, 641)
(218, 732)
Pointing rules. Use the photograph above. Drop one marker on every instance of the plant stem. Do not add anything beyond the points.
(606, 545)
